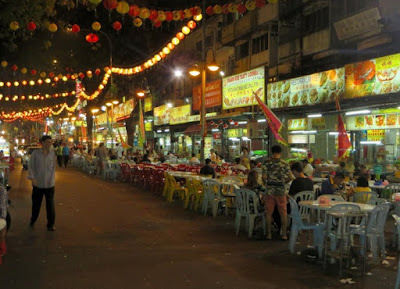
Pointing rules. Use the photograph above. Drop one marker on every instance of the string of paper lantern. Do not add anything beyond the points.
(34, 97)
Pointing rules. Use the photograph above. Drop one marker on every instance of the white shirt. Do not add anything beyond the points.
(120, 150)
(308, 170)
(42, 168)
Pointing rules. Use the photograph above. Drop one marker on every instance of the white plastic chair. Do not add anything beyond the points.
(396, 230)
(212, 197)
(373, 230)
(391, 189)
(108, 171)
(298, 225)
(376, 201)
(304, 196)
(364, 197)
(247, 206)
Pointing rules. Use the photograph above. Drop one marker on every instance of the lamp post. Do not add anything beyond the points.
(196, 71)
(111, 105)
(94, 111)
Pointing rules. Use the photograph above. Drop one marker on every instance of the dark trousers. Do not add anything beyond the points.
(59, 161)
(37, 197)
(65, 159)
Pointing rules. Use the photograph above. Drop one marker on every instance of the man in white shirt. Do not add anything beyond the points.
(41, 172)
(119, 150)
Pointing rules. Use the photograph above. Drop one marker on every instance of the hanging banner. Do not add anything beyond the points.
(311, 89)
(238, 89)
(161, 115)
(373, 77)
(180, 114)
(148, 104)
(123, 110)
(213, 95)
(78, 88)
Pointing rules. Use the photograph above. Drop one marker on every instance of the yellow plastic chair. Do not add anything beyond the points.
(175, 187)
(166, 185)
(195, 194)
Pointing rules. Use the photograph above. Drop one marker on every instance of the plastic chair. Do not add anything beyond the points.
(247, 206)
(374, 229)
(212, 197)
(333, 198)
(304, 196)
(175, 187)
(339, 228)
(389, 190)
(397, 285)
(376, 201)
(108, 171)
(298, 225)
(194, 195)
(396, 230)
(364, 197)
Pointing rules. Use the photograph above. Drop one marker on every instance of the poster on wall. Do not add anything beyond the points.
(123, 110)
(373, 121)
(312, 89)
(148, 104)
(373, 77)
(213, 95)
(161, 115)
(208, 144)
(180, 114)
(238, 89)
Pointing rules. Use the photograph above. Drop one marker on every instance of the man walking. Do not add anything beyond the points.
(59, 151)
(65, 152)
(41, 172)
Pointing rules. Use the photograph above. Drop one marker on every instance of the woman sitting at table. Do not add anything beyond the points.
(362, 186)
(301, 183)
(333, 184)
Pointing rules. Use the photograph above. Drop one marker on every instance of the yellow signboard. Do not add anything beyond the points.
(298, 124)
(237, 90)
(375, 134)
(101, 118)
(311, 89)
(123, 110)
(161, 115)
(148, 126)
(373, 77)
(180, 114)
(148, 104)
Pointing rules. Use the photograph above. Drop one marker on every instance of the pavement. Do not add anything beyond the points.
(113, 235)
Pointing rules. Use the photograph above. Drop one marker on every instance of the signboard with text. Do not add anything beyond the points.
(123, 110)
(179, 114)
(213, 95)
(148, 104)
(238, 89)
(161, 115)
(374, 121)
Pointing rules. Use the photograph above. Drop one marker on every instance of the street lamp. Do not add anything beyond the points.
(196, 71)
(111, 105)
(94, 111)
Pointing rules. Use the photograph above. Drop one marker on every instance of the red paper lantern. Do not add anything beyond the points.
(215, 125)
(31, 26)
(81, 75)
(210, 10)
(156, 23)
(117, 26)
(191, 24)
(97, 71)
(92, 38)
(153, 15)
(75, 28)
(110, 4)
(220, 121)
(169, 16)
(225, 126)
(236, 123)
(225, 9)
(14, 67)
(241, 8)
(33, 71)
(134, 11)
(212, 122)
(260, 3)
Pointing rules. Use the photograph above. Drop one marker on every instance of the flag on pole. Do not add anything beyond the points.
(142, 132)
(123, 143)
(343, 139)
(274, 124)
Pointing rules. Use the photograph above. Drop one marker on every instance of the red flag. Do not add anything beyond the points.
(274, 123)
(343, 140)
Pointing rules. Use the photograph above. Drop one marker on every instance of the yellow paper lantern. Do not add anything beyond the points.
(96, 26)
(250, 5)
(53, 27)
(161, 15)
(24, 70)
(4, 63)
(232, 7)
(170, 46)
(137, 22)
(185, 30)
(188, 13)
(95, 2)
(43, 74)
(14, 25)
(175, 40)
(198, 17)
(123, 7)
(144, 13)
(217, 9)
(166, 50)
(176, 15)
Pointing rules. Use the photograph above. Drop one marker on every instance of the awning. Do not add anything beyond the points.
(193, 129)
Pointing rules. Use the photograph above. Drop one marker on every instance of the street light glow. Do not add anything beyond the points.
(95, 110)
(115, 102)
(194, 70)
(109, 104)
(178, 73)
(213, 66)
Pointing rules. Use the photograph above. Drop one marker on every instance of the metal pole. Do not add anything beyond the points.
(112, 126)
(111, 58)
(203, 86)
(93, 124)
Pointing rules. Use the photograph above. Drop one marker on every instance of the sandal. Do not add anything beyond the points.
(284, 238)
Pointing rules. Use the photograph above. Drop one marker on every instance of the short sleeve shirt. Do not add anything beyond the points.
(277, 171)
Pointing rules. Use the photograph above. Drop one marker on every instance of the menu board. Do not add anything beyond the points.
(238, 89)
(311, 89)
(375, 134)
(213, 95)
(373, 77)
(179, 114)
(123, 110)
(148, 104)
(298, 124)
(377, 121)
(161, 115)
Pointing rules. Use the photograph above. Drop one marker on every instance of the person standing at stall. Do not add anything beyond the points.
(276, 172)
(41, 172)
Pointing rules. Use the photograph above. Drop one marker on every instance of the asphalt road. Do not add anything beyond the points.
(112, 235)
